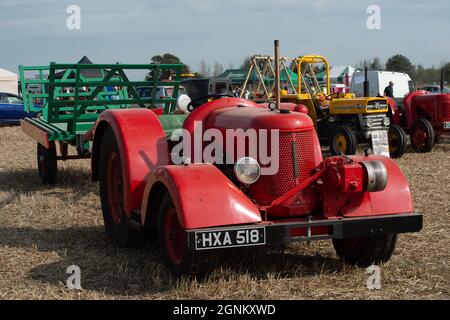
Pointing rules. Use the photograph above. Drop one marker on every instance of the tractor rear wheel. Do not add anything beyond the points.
(173, 241)
(364, 252)
(47, 163)
(422, 136)
(397, 141)
(343, 141)
(117, 223)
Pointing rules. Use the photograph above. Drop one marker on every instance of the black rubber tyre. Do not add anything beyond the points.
(422, 136)
(343, 141)
(175, 253)
(117, 223)
(47, 163)
(397, 141)
(364, 252)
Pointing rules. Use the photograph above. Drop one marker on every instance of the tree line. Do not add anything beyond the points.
(169, 58)
(401, 63)
(397, 63)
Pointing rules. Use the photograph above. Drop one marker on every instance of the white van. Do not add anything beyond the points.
(378, 80)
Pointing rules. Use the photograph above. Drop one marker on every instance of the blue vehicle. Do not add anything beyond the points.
(11, 109)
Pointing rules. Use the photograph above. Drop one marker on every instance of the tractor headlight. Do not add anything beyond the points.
(247, 170)
(386, 121)
(369, 123)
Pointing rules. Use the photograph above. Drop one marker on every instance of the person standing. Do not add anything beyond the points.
(236, 92)
(246, 94)
(389, 90)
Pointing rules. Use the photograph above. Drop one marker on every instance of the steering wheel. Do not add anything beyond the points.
(214, 96)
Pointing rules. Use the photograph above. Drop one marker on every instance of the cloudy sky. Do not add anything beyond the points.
(132, 31)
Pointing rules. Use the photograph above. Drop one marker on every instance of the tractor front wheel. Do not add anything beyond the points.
(47, 163)
(343, 141)
(175, 253)
(397, 141)
(117, 223)
(364, 252)
(422, 136)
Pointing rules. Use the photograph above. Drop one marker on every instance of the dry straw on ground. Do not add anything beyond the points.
(43, 230)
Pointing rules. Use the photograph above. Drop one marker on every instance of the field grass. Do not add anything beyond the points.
(44, 229)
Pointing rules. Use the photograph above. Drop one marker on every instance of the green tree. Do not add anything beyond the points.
(427, 75)
(361, 64)
(245, 65)
(167, 58)
(421, 74)
(376, 64)
(400, 63)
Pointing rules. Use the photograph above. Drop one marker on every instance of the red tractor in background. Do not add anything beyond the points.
(196, 208)
(423, 115)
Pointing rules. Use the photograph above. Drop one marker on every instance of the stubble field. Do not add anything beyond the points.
(45, 229)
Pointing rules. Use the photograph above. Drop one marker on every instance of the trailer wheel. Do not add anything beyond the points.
(175, 253)
(47, 163)
(343, 141)
(117, 223)
(364, 252)
(422, 136)
(397, 141)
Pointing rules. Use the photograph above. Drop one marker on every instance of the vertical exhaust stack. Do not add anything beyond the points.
(442, 80)
(277, 73)
(366, 83)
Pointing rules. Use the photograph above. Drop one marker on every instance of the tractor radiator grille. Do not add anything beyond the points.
(296, 160)
(375, 120)
(446, 111)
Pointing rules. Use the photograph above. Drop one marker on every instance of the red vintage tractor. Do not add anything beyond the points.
(424, 116)
(195, 208)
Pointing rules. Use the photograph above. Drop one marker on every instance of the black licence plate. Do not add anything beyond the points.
(229, 238)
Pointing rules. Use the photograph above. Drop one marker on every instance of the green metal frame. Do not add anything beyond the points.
(72, 103)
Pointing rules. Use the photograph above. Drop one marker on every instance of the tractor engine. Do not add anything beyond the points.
(296, 181)
(297, 156)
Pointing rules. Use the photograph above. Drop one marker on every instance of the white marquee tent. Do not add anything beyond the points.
(8, 81)
(337, 74)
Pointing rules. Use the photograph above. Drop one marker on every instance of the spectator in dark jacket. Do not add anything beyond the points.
(389, 90)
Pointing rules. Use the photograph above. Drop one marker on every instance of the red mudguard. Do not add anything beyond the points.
(395, 112)
(142, 144)
(394, 199)
(203, 197)
(408, 101)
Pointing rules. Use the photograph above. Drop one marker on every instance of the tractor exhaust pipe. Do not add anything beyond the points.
(277, 74)
(366, 83)
(442, 80)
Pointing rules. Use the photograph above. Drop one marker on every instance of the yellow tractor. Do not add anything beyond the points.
(341, 119)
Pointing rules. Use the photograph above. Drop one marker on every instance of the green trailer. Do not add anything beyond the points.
(72, 96)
